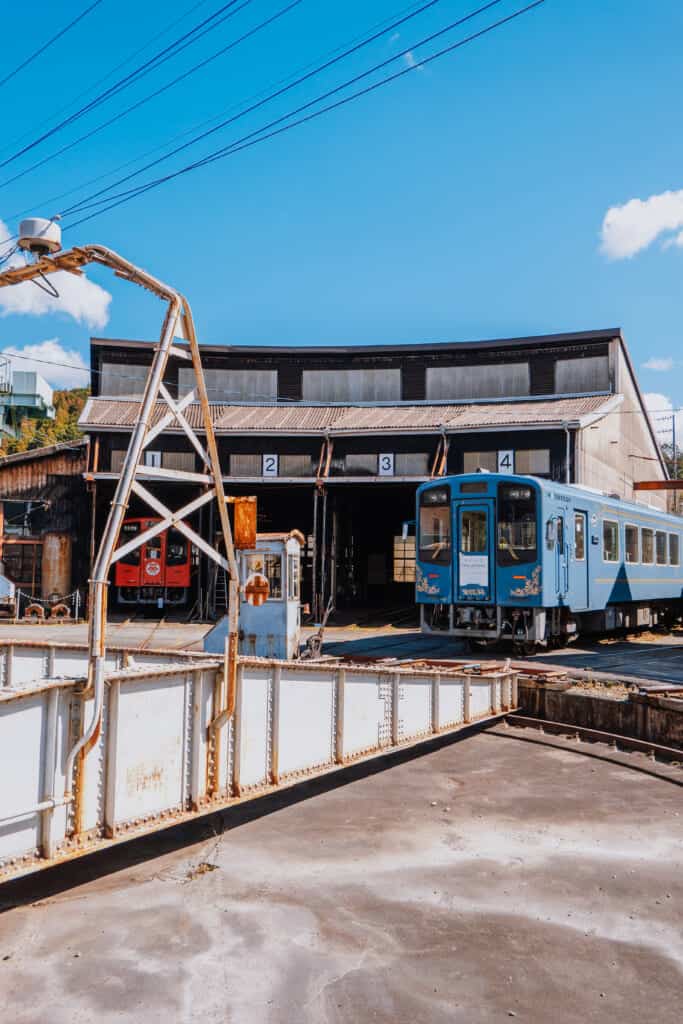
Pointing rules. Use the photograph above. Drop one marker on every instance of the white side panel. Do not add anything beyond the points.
(451, 702)
(29, 665)
(22, 744)
(69, 664)
(151, 754)
(367, 712)
(414, 707)
(92, 772)
(306, 720)
(254, 743)
(480, 698)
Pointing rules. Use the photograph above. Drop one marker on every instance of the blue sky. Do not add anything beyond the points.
(465, 201)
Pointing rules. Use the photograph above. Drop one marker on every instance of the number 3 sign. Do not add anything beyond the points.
(386, 464)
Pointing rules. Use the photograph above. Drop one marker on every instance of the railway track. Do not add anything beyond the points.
(617, 743)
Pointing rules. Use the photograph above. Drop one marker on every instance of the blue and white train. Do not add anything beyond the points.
(537, 562)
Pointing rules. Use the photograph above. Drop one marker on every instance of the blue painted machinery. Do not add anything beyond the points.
(270, 617)
(536, 562)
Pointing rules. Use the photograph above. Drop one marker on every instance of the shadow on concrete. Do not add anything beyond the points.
(51, 881)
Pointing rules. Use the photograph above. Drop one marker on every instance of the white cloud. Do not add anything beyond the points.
(659, 365)
(628, 229)
(62, 368)
(79, 298)
(660, 408)
(411, 60)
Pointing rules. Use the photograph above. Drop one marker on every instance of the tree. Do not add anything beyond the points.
(37, 433)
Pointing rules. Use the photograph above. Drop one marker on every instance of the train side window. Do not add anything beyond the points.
(579, 536)
(660, 544)
(610, 540)
(674, 556)
(647, 544)
(632, 553)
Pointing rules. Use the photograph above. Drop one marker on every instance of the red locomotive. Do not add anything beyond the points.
(156, 573)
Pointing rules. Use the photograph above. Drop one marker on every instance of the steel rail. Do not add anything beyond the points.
(613, 739)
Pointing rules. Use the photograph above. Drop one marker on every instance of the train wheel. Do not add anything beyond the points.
(523, 649)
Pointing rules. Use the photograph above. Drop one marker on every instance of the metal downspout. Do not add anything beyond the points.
(567, 448)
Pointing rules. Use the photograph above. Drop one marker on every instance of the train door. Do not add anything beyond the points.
(578, 589)
(476, 562)
(152, 560)
(561, 559)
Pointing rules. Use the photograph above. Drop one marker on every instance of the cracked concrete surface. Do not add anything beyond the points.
(498, 876)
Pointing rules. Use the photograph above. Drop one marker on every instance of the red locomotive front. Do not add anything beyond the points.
(156, 573)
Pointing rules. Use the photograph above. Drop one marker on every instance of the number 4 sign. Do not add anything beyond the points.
(506, 462)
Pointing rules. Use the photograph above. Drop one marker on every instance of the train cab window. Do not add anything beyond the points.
(647, 544)
(631, 546)
(128, 532)
(610, 541)
(434, 528)
(660, 546)
(516, 541)
(579, 536)
(674, 556)
(176, 548)
(153, 550)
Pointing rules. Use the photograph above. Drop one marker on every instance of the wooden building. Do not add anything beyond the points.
(334, 441)
(45, 519)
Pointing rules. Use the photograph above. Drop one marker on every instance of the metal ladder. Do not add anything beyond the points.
(221, 590)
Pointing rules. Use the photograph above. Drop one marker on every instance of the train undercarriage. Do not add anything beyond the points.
(529, 629)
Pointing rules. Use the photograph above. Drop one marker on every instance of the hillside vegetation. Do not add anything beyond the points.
(36, 433)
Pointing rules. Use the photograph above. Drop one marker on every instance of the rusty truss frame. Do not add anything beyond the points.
(178, 322)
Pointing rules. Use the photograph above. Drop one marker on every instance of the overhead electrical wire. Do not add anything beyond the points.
(209, 24)
(37, 53)
(355, 48)
(201, 124)
(117, 67)
(250, 139)
(157, 92)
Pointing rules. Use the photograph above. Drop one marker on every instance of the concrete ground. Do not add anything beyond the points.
(659, 657)
(505, 875)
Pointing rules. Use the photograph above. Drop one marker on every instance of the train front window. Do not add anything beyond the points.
(434, 530)
(176, 548)
(516, 525)
(473, 531)
(128, 532)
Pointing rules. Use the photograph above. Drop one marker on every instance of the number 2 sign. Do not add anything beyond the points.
(270, 465)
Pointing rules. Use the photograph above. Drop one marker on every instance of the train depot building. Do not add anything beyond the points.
(334, 442)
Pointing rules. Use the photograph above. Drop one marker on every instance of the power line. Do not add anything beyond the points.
(45, 46)
(172, 50)
(196, 125)
(99, 81)
(281, 91)
(249, 140)
(175, 81)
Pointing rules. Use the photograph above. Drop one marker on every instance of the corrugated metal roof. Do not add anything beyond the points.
(112, 414)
